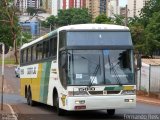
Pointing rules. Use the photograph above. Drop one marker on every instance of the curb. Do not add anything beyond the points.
(8, 113)
(148, 101)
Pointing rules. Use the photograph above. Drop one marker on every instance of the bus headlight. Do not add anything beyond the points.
(128, 92)
(79, 101)
(72, 93)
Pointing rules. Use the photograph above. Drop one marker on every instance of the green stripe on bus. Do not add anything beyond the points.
(44, 82)
(116, 88)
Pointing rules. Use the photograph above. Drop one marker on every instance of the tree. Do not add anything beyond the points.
(152, 34)
(25, 37)
(137, 32)
(50, 22)
(148, 10)
(102, 18)
(119, 20)
(73, 16)
(9, 26)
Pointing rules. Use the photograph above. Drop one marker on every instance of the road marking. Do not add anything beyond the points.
(148, 101)
(14, 115)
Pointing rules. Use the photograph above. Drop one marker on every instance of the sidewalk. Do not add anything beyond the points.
(148, 100)
(6, 109)
(7, 113)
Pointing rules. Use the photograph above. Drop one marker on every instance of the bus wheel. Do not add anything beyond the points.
(29, 98)
(111, 112)
(60, 111)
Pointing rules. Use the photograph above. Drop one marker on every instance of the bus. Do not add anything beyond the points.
(80, 67)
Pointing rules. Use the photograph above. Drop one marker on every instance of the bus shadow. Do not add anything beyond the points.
(72, 115)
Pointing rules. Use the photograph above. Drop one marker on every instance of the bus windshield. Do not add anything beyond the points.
(100, 67)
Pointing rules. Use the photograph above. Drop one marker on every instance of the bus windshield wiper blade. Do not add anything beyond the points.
(112, 68)
(95, 70)
(95, 73)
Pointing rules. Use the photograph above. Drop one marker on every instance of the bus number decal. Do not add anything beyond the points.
(87, 89)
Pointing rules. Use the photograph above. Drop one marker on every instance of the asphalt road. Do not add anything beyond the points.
(44, 112)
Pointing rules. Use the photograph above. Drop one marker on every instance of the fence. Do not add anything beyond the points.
(148, 78)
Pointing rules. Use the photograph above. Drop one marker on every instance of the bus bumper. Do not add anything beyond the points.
(100, 102)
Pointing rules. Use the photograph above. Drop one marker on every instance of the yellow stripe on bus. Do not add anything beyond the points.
(36, 84)
(128, 87)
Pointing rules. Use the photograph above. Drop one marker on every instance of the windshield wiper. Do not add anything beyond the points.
(95, 73)
(95, 70)
(112, 68)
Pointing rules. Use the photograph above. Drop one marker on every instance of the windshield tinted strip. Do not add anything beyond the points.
(98, 47)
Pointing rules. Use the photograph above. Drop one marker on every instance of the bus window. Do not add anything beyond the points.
(51, 47)
(39, 51)
(29, 54)
(45, 49)
(26, 55)
(33, 51)
(55, 47)
(22, 54)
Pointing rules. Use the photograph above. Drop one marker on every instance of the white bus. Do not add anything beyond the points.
(80, 67)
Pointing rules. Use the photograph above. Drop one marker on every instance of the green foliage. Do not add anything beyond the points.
(73, 16)
(145, 29)
(119, 20)
(68, 17)
(137, 32)
(50, 22)
(148, 11)
(9, 26)
(8, 23)
(24, 37)
(102, 18)
(152, 33)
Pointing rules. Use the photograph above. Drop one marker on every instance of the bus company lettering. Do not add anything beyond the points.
(87, 89)
(31, 70)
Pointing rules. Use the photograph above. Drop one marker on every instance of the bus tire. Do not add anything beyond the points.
(111, 112)
(59, 111)
(29, 98)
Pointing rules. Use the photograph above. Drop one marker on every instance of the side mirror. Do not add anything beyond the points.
(63, 59)
(139, 62)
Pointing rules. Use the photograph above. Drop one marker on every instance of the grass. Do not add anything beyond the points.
(8, 61)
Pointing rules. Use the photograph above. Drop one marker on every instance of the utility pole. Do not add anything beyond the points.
(126, 16)
(3, 48)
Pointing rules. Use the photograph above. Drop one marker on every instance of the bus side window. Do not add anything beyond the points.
(55, 47)
(51, 47)
(33, 53)
(44, 50)
(22, 54)
(39, 51)
(29, 54)
(47, 48)
(26, 55)
(37, 46)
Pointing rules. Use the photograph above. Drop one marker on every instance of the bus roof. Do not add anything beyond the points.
(79, 27)
(93, 27)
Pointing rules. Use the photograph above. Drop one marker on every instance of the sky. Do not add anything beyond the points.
(122, 2)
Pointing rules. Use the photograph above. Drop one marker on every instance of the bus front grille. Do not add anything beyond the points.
(102, 93)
